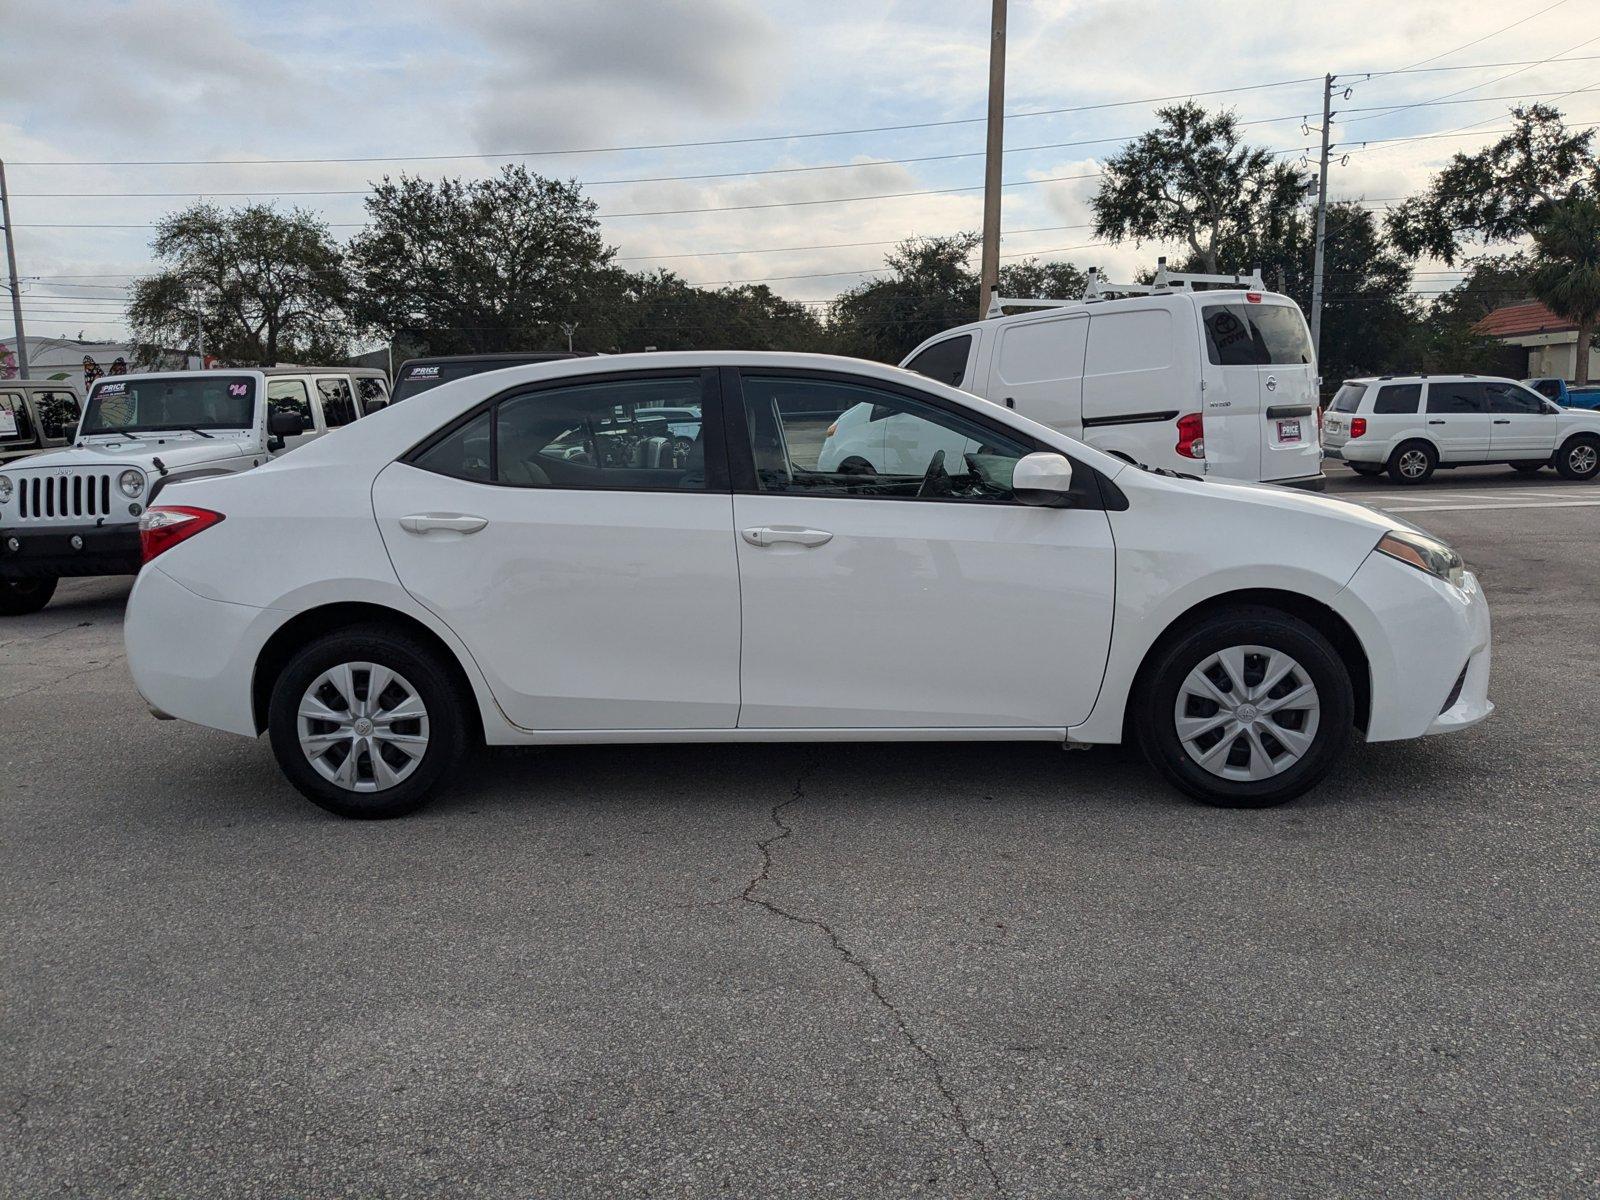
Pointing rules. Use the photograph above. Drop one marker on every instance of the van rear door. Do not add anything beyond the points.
(1261, 389)
(1037, 369)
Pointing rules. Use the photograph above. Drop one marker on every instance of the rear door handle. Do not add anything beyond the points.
(447, 522)
(1502, 420)
(1436, 421)
(771, 535)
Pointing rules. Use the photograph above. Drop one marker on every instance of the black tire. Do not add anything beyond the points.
(18, 597)
(1155, 701)
(1529, 468)
(1405, 467)
(1579, 457)
(1367, 469)
(420, 666)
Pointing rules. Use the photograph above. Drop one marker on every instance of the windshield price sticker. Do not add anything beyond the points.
(423, 373)
(8, 423)
(111, 389)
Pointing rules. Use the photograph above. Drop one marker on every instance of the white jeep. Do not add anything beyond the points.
(76, 511)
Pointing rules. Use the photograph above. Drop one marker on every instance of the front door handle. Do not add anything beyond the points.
(771, 535)
(1436, 421)
(448, 522)
(1502, 420)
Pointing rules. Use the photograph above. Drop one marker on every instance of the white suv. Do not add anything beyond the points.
(1411, 425)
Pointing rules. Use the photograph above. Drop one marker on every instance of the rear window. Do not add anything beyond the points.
(944, 361)
(422, 377)
(1256, 335)
(1398, 398)
(1348, 398)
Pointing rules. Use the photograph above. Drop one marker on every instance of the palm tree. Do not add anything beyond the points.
(1566, 270)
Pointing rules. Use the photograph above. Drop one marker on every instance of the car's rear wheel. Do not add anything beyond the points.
(1413, 462)
(366, 722)
(1579, 458)
(18, 597)
(1248, 708)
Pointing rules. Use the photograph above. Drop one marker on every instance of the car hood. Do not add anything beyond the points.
(1291, 502)
(174, 452)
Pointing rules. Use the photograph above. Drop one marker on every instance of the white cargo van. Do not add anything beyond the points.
(1207, 382)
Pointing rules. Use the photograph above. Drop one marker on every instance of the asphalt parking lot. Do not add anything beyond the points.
(816, 971)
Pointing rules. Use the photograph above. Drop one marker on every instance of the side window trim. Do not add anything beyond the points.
(712, 410)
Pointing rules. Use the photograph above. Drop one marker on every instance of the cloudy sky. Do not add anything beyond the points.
(106, 97)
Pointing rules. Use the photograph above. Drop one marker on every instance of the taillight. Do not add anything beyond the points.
(163, 527)
(1358, 426)
(1192, 435)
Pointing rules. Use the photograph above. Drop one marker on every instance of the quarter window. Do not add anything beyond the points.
(462, 454)
(1398, 398)
(944, 361)
(881, 445)
(371, 388)
(338, 406)
(14, 424)
(1456, 398)
(1348, 398)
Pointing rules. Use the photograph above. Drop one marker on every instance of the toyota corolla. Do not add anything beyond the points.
(529, 558)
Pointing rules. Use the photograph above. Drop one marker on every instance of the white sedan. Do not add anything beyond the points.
(451, 573)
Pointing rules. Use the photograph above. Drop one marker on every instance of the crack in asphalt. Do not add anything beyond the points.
(60, 679)
(868, 975)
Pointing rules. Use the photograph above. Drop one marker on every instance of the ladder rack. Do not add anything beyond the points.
(1099, 288)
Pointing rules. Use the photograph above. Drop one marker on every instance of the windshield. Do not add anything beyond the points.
(198, 401)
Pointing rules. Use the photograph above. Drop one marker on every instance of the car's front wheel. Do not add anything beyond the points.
(366, 722)
(18, 597)
(1579, 458)
(1248, 708)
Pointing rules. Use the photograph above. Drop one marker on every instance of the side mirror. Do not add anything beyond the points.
(285, 424)
(375, 404)
(1043, 479)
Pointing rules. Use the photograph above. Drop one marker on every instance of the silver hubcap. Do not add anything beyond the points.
(1247, 712)
(363, 726)
(1413, 463)
(1583, 458)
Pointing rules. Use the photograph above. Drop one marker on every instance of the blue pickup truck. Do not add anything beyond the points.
(1566, 395)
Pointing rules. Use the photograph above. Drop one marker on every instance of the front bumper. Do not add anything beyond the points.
(1419, 633)
(55, 551)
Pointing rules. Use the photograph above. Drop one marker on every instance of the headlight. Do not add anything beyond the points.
(5, 488)
(1425, 553)
(131, 483)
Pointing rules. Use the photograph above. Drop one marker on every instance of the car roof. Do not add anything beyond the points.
(217, 371)
(274, 371)
(509, 357)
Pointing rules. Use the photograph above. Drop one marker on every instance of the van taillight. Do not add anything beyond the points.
(164, 526)
(1192, 435)
(1358, 426)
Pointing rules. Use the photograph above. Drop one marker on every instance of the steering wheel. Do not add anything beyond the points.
(935, 480)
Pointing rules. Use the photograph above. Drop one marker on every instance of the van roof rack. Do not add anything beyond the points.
(1099, 288)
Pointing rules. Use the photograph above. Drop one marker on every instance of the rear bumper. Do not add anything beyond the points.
(56, 551)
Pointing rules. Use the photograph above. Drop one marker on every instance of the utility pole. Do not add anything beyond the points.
(1322, 222)
(11, 266)
(989, 273)
(569, 328)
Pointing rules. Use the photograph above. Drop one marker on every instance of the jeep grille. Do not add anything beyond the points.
(64, 497)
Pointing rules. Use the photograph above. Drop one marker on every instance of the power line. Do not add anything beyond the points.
(1474, 42)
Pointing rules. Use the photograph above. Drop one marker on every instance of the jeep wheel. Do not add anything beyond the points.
(19, 597)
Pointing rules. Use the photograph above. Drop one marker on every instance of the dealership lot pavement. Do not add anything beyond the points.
(805, 971)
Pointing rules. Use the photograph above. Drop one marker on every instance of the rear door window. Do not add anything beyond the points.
(1457, 398)
(1396, 398)
(371, 387)
(58, 414)
(338, 405)
(1255, 335)
(289, 395)
(944, 361)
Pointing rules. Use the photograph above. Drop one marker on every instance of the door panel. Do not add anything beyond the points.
(1457, 419)
(922, 614)
(1038, 370)
(1520, 424)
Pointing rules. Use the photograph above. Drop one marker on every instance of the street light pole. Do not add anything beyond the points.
(11, 266)
(989, 272)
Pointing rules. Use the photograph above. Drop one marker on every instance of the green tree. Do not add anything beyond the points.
(475, 266)
(1191, 180)
(660, 309)
(1566, 269)
(929, 288)
(1502, 192)
(1032, 279)
(268, 286)
(1445, 341)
